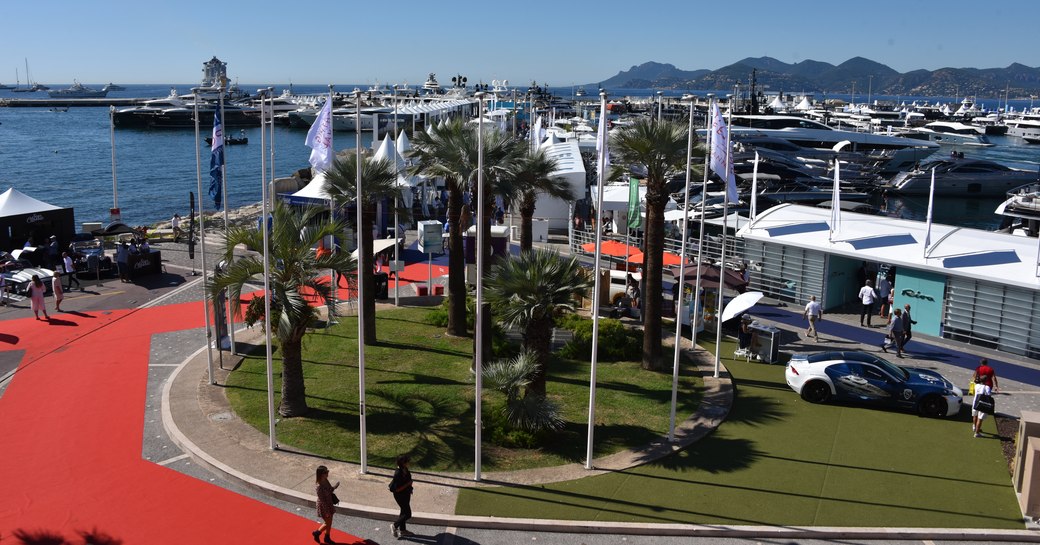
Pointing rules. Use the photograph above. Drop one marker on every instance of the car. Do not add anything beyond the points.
(18, 273)
(862, 377)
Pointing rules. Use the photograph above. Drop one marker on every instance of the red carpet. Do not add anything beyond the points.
(71, 425)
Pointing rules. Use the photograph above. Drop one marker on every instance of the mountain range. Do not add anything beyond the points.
(854, 76)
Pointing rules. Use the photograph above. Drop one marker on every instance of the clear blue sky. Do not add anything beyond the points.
(561, 42)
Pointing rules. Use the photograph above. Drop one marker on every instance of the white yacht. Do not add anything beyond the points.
(962, 178)
(951, 133)
(901, 153)
(1026, 127)
(431, 86)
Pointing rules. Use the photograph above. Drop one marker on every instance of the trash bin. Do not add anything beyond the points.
(382, 281)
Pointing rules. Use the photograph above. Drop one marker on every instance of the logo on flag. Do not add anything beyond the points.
(319, 138)
(721, 161)
(216, 161)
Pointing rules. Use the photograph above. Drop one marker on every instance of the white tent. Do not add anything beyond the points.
(570, 168)
(14, 203)
(315, 190)
(777, 104)
(403, 144)
(803, 105)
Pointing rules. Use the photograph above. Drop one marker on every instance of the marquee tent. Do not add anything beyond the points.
(23, 217)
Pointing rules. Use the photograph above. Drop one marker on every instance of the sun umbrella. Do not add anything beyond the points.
(740, 303)
(710, 276)
(611, 248)
(669, 258)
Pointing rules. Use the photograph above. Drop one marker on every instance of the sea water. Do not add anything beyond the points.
(66, 159)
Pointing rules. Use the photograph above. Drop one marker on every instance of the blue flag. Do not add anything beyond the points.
(216, 161)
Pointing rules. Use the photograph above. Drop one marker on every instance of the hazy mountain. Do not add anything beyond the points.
(860, 74)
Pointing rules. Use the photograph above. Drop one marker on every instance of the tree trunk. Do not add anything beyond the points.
(294, 395)
(538, 340)
(652, 269)
(526, 207)
(456, 265)
(367, 265)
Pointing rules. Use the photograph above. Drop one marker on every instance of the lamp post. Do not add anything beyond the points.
(478, 366)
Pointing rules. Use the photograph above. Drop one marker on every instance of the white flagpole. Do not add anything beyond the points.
(270, 96)
(722, 250)
(229, 312)
(333, 278)
(754, 191)
(928, 218)
(682, 280)
(478, 334)
(267, 277)
(112, 135)
(202, 244)
(397, 217)
(835, 202)
(700, 236)
(360, 292)
(601, 170)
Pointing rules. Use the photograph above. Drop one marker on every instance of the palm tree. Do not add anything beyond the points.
(378, 182)
(527, 412)
(296, 285)
(660, 146)
(532, 175)
(529, 292)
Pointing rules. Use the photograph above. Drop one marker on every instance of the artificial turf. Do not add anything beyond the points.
(779, 460)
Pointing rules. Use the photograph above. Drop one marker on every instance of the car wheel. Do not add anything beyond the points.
(816, 391)
(932, 406)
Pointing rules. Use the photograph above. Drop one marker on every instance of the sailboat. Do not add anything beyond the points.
(18, 84)
(33, 86)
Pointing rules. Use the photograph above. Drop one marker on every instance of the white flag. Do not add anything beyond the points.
(721, 162)
(601, 141)
(319, 138)
(754, 191)
(536, 134)
(836, 199)
(928, 218)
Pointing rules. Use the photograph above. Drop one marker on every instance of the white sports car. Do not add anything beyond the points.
(864, 377)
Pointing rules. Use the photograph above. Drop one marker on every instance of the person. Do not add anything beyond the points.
(52, 252)
(908, 323)
(175, 224)
(867, 296)
(985, 379)
(145, 248)
(744, 335)
(36, 292)
(884, 288)
(745, 275)
(59, 294)
(401, 487)
(123, 262)
(70, 270)
(813, 313)
(895, 333)
(326, 503)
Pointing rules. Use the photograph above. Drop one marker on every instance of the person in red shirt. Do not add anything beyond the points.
(985, 379)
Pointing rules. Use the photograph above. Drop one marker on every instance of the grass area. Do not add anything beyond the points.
(779, 460)
(420, 400)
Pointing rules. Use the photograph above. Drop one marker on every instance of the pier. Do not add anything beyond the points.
(68, 102)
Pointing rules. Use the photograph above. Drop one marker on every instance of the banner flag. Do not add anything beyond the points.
(635, 218)
(216, 161)
(721, 162)
(319, 138)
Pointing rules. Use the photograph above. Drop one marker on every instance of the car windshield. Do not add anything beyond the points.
(893, 369)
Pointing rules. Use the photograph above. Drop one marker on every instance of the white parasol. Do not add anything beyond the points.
(740, 303)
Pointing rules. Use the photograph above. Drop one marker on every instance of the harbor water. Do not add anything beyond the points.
(65, 158)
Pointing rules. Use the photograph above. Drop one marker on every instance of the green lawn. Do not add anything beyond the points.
(781, 461)
(420, 400)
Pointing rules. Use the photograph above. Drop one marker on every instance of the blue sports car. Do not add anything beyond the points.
(864, 377)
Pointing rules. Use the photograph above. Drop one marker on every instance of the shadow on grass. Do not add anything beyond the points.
(755, 410)
(714, 455)
(424, 349)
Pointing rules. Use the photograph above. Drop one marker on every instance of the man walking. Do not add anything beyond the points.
(813, 313)
(867, 296)
(70, 271)
(895, 333)
(907, 324)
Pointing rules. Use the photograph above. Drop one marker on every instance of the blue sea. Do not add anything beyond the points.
(65, 158)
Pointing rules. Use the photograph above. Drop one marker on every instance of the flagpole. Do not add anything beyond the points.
(397, 214)
(112, 134)
(682, 279)
(230, 314)
(333, 278)
(753, 212)
(722, 251)
(270, 99)
(267, 276)
(928, 218)
(202, 244)
(360, 289)
(478, 335)
(601, 171)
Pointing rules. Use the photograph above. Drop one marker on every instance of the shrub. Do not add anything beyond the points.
(616, 342)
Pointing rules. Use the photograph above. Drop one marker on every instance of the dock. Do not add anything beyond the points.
(69, 102)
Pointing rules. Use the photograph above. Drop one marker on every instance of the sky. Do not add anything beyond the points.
(558, 42)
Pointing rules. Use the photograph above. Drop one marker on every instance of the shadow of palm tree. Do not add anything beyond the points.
(755, 410)
(47, 537)
(713, 454)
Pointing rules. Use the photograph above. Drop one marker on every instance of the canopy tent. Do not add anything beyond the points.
(710, 276)
(112, 229)
(803, 105)
(612, 248)
(379, 245)
(23, 217)
(777, 104)
(312, 193)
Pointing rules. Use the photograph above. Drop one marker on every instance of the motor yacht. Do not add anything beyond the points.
(961, 178)
(1021, 211)
(113, 87)
(1025, 127)
(950, 133)
(78, 90)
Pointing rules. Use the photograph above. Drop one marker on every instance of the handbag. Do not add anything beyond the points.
(335, 499)
(985, 404)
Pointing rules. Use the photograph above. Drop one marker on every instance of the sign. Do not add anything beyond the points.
(431, 238)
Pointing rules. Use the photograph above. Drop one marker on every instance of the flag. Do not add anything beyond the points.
(635, 219)
(216, 161)
(721, 162)
(536, 134)
(754, 191)
(319, 138)
(836, 199)
(928, 218)
(601, 143)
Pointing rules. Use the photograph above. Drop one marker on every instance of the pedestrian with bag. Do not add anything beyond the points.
(326, 504)
(401, 487)
(985, 379)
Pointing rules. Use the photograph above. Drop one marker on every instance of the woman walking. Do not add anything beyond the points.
(59, 293)
(985, 379)
(326, 504)
(36, 293)
(401, 486)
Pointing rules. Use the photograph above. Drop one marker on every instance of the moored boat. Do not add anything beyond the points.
(961, 178)
(113, 87)
(78, 90)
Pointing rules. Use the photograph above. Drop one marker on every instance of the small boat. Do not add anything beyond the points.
(60, 109)
(239, 140)
(113, 87)
(2, 86)
(78, 90)
(952, 133)
(962, 178)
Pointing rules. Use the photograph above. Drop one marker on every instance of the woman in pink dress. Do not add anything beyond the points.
(59, 293)
(36, 292)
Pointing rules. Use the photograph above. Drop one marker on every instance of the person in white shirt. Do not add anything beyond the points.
(867, 296)
(175, 224)
(70, 270)
(813, 313)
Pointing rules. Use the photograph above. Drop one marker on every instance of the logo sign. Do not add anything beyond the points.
(907, 394)
(34, 218)
(916, 295)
